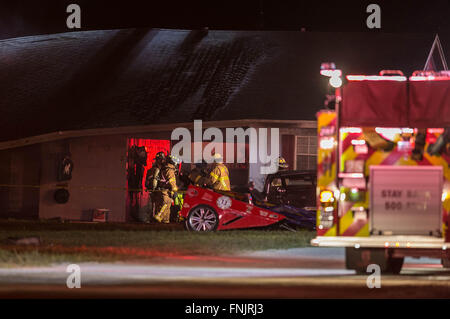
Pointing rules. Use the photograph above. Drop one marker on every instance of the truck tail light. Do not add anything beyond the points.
(326, 209)
(326, 217)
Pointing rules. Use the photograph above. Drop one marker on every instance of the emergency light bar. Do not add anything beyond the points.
(429, 78)
(375, 78)
(329, 69)
(421, 75)
(351, 130)
(331, 73)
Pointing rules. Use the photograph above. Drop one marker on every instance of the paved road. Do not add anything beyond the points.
(292, 273)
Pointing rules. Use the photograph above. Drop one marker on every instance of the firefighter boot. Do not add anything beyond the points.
(158, 217)
(160, 207)
(163, 214)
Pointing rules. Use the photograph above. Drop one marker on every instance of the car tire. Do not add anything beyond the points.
(202, 218)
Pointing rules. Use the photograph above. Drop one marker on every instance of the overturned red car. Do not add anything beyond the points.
(208, 210)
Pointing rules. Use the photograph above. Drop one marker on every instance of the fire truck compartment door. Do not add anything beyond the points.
(429, 103)
(374, 103)
(406, 200)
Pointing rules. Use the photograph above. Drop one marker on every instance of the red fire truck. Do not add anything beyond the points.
(383, 189)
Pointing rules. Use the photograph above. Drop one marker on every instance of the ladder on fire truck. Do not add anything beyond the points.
(430, 64)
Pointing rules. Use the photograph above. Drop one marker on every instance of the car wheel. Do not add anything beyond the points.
(202, 218)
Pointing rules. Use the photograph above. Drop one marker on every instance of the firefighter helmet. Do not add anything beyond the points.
(174, 159)
(217, 157)
(281, 162)
(160, 156)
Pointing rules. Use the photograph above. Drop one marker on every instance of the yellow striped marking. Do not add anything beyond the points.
(439, 161)
(348, 154)
(324, 119)
(345, 222)
(331, 231)
(327, 179)
(364, 231)
(375, 159)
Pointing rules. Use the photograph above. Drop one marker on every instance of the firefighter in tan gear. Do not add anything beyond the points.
(151, 179)
(218, 177)
(167, 188)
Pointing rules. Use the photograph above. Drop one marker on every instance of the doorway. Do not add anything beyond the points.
(140, 158)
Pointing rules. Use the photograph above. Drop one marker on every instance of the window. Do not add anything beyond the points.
(306, 152)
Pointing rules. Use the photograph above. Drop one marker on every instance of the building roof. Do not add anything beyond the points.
(114, 78)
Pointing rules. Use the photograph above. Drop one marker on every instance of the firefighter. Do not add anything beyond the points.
(282, 164)
(151, 179)
(218, 178)
(167, 189)
(198, 175)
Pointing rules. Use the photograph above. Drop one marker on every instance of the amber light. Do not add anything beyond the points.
(326, 197)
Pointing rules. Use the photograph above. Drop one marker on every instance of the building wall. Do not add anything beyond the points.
(19, 180)
(98, 178)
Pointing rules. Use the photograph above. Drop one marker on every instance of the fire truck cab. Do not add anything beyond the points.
(383, 177)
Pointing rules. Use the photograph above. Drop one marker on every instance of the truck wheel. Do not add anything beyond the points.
(354, 259)
(202, 218)
(394, 265)
(359, 259)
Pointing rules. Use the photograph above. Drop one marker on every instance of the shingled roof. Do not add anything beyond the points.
(102, 79)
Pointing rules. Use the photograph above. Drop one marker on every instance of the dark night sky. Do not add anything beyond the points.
(20, 18)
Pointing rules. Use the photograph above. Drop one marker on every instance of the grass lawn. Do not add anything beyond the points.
(76, 242)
